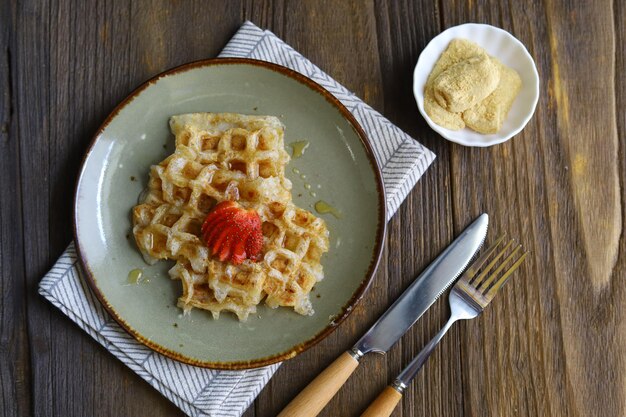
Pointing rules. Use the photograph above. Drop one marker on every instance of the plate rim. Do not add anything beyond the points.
(346, 309)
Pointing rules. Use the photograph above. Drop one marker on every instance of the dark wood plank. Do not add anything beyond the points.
(14, 364)
(157, 41)
(31, 103)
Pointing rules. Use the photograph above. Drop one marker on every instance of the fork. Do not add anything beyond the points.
(468, 298)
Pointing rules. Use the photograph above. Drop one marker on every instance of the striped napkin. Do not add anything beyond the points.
(205, 392)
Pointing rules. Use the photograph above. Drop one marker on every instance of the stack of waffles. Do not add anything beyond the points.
(225, 156)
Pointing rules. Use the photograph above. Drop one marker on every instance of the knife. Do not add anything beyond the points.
(407, 309)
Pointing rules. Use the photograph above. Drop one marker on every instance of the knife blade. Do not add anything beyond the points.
(424, 291)
(407, 309)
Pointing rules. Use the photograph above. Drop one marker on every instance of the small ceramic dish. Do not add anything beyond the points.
(499, 44)
(338, 167)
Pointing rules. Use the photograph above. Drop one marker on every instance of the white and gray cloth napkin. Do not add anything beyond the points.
(205, 392)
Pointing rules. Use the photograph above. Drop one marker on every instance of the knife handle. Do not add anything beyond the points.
(322, 389)
(384, 404)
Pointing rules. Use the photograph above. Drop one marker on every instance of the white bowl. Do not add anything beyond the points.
(499, 44)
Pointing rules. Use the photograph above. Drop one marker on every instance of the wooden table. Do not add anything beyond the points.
(553, 344)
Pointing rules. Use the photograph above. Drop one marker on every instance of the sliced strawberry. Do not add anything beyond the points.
(216, 243)
(224, 251)
(233, 233)
(218, 213)
(216, 219)
(220, 208)
(239, 250)
(215, 227)
(254, 244)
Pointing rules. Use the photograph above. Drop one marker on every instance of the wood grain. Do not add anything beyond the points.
(553, 344)
(15, 386)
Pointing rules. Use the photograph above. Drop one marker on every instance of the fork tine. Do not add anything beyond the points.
(475, 267)
(488, 268)
(486, 283)
(494, 289)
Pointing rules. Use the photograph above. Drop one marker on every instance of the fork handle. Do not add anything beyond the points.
(322, 389)
(386, 402)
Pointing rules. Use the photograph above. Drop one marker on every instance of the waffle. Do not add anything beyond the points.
(222, 157)
(294, 241)
(197, 292)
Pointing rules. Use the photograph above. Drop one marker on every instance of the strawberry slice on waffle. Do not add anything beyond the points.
(233, 233)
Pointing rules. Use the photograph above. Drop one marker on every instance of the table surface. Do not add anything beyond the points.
(553, 344)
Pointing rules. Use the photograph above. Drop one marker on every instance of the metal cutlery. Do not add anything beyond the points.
(468, 298)
(420, 295)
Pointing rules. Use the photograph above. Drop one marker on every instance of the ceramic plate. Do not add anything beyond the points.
(511, 52)
(338, 165)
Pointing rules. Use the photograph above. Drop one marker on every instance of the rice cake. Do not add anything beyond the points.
(488, 116)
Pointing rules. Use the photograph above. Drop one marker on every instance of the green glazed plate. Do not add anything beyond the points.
(338, 165)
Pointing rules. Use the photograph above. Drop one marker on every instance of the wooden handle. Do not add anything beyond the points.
(320, 391)
(384, 404)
